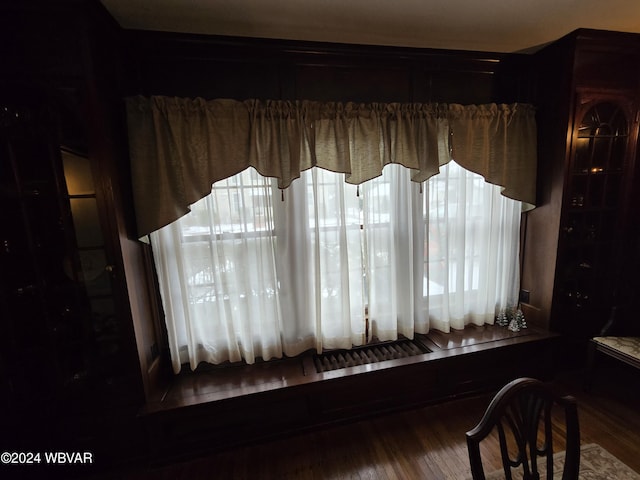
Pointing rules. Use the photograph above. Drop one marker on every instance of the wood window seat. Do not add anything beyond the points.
(222, 407)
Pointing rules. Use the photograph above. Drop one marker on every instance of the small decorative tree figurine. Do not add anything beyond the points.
(522, 320)
(517, 322)
(512, 318)
(502, 319)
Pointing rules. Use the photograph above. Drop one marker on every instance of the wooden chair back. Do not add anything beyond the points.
(521, 412)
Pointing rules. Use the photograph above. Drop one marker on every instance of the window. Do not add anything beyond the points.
(254, 272)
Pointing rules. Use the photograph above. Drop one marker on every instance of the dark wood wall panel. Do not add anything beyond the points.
(607, 60)
(211, 79)
(353, 84)
(462, 87)
(240, 68)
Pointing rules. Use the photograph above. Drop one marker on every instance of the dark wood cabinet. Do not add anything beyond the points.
(577, 241)
(38, 298)
(593, 224)
(63, 341)
(77, 308)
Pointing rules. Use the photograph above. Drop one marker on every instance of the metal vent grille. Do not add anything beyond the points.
(370, 354)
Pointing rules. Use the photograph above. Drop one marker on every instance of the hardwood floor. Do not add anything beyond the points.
(423, 443)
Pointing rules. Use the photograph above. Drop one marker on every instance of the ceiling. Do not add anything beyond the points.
(484, 25)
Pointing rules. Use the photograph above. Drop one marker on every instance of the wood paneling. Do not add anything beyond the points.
(241, 68)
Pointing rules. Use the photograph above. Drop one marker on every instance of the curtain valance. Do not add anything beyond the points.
(179, 147)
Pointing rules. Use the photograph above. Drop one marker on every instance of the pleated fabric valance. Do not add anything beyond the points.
(179, 147)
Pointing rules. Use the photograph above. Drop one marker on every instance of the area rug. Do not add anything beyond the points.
(595, 464)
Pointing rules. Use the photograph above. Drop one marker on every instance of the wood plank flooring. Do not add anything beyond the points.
(424, 443)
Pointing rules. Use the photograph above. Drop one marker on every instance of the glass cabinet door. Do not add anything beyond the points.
(591, 225)
(93, 271)
(63, 340)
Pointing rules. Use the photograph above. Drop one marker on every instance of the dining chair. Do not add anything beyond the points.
(521, 412)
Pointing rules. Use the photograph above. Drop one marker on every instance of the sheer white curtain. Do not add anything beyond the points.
(256, 272)
(472, 249)
(217, 276)
(394, 240)
(319, 263)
